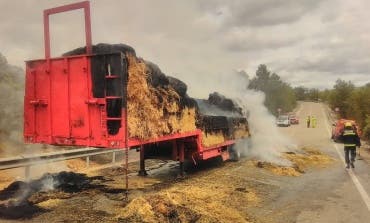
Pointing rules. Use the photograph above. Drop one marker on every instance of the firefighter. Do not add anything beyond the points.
(308, 120)
(313, 121)
(351, 140)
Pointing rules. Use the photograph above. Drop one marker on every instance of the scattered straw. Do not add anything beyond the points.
(138, 210)
(310, 157)
(300, 162)
(50, 204)
(279, 170)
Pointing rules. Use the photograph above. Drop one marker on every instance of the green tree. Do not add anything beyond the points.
(278, 93)
(366, 128)
(300, 93)
(353, 103)
(324, 95)
(359, 104)
(313, 94)
(340, 96)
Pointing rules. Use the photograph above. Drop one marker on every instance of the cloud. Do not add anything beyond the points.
(197, 41)
(241, 13)
(259, 39)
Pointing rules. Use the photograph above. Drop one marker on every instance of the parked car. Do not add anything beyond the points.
(338, 128)
(293, 119)
(283, 120)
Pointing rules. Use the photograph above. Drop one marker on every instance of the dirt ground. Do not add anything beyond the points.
(211, 192)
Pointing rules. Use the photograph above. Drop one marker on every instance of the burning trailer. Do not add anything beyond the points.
(106, 96)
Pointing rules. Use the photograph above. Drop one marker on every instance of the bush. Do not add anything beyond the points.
(366, 130)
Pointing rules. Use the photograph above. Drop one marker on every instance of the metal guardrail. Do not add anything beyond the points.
(43, 158)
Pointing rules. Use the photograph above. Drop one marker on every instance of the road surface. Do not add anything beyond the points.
(333, 194)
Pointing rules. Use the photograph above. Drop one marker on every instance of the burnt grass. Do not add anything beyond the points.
(19, 199)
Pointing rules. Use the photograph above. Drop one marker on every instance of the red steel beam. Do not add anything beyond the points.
(80, 5)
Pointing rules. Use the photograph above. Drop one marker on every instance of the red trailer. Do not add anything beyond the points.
(81, 101)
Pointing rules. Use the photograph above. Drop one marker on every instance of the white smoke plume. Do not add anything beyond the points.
(266, 142)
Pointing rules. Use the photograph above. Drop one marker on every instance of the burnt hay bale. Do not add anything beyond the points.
(22, 210)
(224, 103)
(155, 76)
(189, 102)
(179, 86)
(213, 123)
(103, 48)
(12, 190)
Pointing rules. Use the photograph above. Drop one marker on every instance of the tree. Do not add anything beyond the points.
(359, 104)
(300, 93)
(324, 95)
(313, 94)
(353, 103)
(340, 96)
(278, 93)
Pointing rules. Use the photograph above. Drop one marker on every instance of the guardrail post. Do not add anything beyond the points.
(87, 161)
(27, 170)
(113, 157)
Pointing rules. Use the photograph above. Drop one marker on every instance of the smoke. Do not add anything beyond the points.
(18, 192)
(11, 122)
(11, 99)
(266, 142)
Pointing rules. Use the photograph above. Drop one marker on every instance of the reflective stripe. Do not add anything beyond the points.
(349, 134)
(349, 144)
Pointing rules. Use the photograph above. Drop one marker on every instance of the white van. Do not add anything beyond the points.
(283, 120)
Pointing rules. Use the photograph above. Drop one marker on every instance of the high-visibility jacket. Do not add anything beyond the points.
(313, 122)
(350, 138)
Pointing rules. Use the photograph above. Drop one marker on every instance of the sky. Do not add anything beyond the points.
(308, 43)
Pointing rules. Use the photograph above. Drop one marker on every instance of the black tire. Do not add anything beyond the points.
(234, 153)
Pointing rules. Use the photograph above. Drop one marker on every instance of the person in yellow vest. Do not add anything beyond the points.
(308, 120)
(313, 121)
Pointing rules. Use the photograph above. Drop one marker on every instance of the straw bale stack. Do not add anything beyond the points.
(154, 108)
(158, 105)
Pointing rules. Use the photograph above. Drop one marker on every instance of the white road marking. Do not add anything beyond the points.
(360, 188)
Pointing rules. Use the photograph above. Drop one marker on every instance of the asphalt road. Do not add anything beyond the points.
(332, 194)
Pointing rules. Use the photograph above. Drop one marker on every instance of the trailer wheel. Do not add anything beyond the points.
(234, 153)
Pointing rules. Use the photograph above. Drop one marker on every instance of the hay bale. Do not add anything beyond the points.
(103, 48)
(157, 108)
(179, 86)
(154, 110)
(224, 103)
(155, 76)
(214, 138)
(158, 105)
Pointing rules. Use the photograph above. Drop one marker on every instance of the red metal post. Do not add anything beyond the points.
(80, 5)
